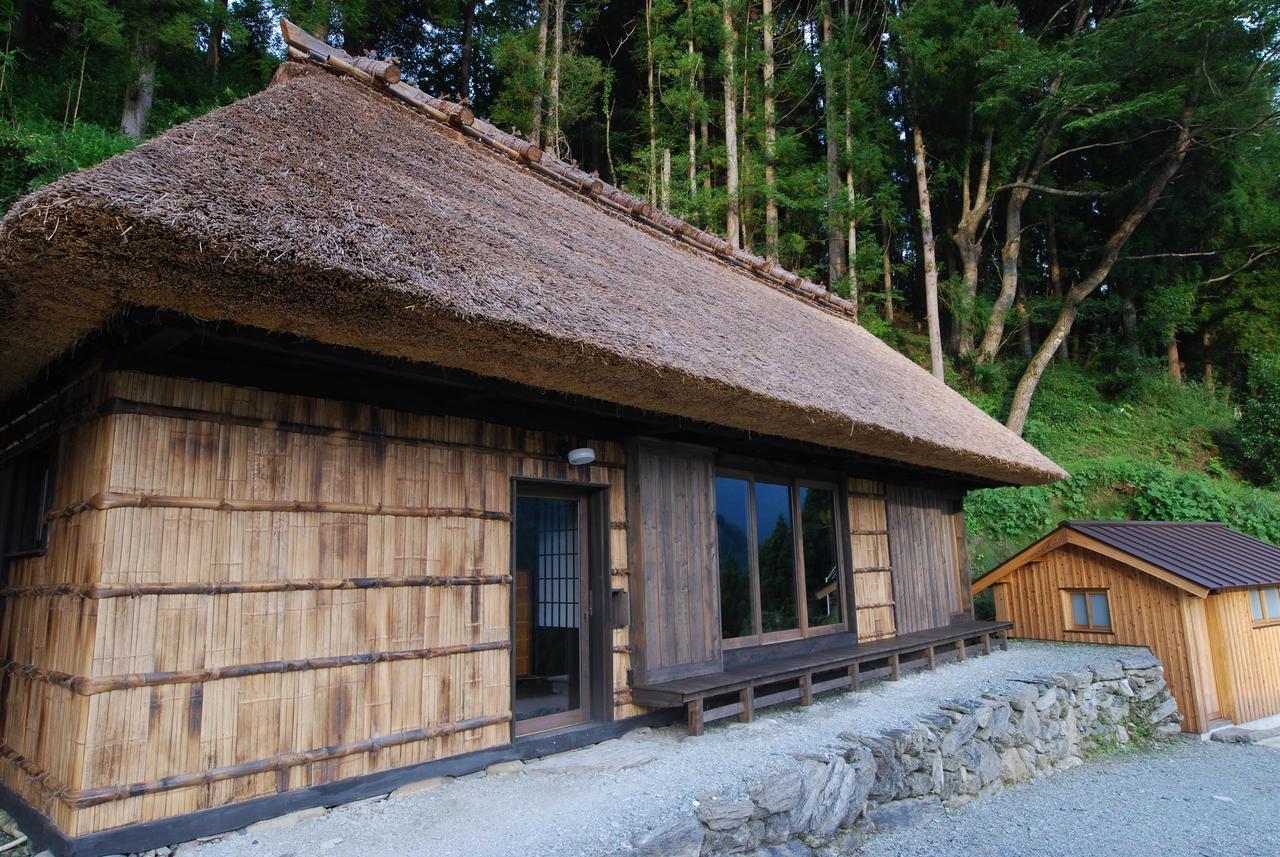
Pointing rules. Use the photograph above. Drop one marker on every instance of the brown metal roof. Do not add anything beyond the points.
(1208, 553)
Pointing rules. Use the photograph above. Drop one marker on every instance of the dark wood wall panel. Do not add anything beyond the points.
(926, 527)
(675, 582)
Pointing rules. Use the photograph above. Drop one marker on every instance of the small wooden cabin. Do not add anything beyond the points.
(347, 440)
(1203, 597)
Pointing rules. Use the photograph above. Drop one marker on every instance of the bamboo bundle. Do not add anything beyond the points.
(364, 68)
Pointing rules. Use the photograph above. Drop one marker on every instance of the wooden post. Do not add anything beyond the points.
(895, 670)
(748, 698)
(960, 650)
(696, 725)
(986, 644)
(929, 655)
(806, 689)
(855, 675)
(1004, 640)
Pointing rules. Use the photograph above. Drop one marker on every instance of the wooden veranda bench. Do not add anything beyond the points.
(839, 668)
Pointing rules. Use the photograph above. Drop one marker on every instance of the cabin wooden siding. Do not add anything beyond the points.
(675, 594)
(1246, 658)
(1144, 612)
(872, 568)
(929, 559)
(179, 485)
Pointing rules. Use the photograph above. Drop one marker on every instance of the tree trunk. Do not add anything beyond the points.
(666, 179)
(929, 252)
(1129, 321)
(553, 85)
(975, 206)
(140, 92)
(836, 246)
(852, 242)
(544, 9)
(1055, 283)
(1025, 327)
(732, 225)
(1111, 252)
(706, 138)
(464, 66)
(886, 266)
(693, 118)
(1010, 253)
(217, 27)
(1207, 342)
(1174, 358)
(653, 120)
(744, 145)
(770, 141)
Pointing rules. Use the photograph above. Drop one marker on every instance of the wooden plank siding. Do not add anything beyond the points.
(195, 485)
(1144, 612)
(928, 557)
(872, 570)
(1246, 659)
(675, 588)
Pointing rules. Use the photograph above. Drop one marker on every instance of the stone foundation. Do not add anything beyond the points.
(839, 794)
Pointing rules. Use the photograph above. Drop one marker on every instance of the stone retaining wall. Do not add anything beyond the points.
(839, 794)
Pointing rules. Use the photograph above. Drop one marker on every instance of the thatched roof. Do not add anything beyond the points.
(325, 209)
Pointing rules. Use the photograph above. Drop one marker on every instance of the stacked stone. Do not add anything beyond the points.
(835, 797)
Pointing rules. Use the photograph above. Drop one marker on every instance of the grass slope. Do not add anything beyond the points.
(1137, 446)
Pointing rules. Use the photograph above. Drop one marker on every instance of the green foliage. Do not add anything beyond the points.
(36, 152)
(1260, 419)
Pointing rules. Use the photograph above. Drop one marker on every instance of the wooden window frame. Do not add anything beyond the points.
(1267, 619)
(794, 483)
(1069, 611)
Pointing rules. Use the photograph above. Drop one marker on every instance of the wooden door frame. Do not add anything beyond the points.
(595, 649)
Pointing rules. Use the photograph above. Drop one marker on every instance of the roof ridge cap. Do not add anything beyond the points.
(384, 76)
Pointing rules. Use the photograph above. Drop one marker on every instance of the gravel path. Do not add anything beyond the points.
(1203, 799)
(572, 815)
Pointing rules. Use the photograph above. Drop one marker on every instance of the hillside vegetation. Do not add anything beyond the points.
(1137, 445)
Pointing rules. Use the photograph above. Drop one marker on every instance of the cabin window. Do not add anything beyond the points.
(1088, 609)
(1266, 604)
(26, 489)
(780, 569)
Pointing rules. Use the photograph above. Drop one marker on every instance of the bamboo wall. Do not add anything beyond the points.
(1144, 612)
(869, 551)
(264, 592)
(1246, 658)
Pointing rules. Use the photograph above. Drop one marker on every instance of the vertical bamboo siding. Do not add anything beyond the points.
(1246, 658)
(270, 592)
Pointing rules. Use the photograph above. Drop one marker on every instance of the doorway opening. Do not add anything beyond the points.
(553, 628)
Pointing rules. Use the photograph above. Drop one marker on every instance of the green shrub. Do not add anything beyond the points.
(1259, 427)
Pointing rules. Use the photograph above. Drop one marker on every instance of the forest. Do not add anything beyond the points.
(1069, 211)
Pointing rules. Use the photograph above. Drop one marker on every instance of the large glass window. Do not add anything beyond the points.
(733, 530)
(779, 558)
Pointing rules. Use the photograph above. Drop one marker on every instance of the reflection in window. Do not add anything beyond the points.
(776, 550)
(1090, 610)
(821, 562)
(732, 530)
(1265, 604)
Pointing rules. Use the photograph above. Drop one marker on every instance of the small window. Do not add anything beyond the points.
(1265, 604)
(26, 489)
(1088, 610)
